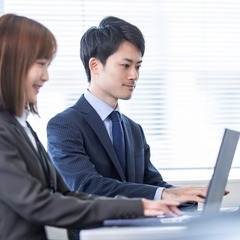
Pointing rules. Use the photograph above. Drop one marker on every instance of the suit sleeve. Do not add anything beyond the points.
(24, 194)
(151, 174)
(67, 148)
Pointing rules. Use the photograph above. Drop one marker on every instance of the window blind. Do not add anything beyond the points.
(1, 6)
(189, 86)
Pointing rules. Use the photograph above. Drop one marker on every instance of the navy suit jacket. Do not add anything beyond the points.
(82, 151)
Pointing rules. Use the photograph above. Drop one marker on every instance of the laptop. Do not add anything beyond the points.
(215, 193)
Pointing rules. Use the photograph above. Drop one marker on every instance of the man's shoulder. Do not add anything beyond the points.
(132, 125)
(128, 120)
(76, 108)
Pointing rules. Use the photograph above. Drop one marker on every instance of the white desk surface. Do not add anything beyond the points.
(132, 233)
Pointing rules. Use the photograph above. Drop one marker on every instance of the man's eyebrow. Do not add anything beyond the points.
(131, 61)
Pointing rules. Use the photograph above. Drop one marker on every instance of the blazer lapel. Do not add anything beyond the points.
(130, 163)
(19, 129)
(45, 161)
(98, 127)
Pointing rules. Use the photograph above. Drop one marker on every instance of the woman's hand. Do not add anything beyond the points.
(160, 207)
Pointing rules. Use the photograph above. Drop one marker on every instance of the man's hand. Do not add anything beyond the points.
(185, 194)
(159, 207)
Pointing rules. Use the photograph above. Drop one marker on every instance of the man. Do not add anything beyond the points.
(80, 138)
(33, 195)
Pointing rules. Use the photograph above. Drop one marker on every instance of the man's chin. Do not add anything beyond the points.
(126, 97)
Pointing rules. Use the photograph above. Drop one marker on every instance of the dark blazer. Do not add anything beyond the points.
(82, 151)
(27, 199)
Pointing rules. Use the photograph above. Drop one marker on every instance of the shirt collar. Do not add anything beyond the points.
(23, 118)
(101, 107)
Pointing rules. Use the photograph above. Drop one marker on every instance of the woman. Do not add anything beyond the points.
(32, 193)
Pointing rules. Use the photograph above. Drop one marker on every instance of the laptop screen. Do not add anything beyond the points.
(222, 167)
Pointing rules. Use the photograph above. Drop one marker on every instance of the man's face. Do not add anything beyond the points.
(117, 79)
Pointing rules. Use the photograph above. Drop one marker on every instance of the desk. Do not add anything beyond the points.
(132, 233)
(225, 226)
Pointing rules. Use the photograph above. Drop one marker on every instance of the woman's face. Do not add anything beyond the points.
(36, 77)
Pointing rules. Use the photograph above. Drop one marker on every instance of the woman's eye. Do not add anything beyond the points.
(40, 63)
(43, 62)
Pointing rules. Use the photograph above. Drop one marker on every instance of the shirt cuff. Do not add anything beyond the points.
(158, 194)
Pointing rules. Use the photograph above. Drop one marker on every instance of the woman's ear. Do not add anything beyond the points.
(94, 65)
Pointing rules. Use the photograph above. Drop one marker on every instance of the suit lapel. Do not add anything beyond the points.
(19, 129)
(98, 127)
(45, 161)
(130, 163)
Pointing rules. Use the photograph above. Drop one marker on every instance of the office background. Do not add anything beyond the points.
(189, 86)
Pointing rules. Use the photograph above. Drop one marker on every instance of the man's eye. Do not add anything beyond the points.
(126, 65)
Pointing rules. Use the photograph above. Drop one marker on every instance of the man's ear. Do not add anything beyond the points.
(94, 65)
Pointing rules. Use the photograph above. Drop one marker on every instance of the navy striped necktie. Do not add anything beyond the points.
(118, 138)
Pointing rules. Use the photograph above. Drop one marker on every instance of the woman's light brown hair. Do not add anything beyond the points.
(22, 42)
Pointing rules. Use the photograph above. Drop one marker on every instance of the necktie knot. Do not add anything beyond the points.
(115, 116)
